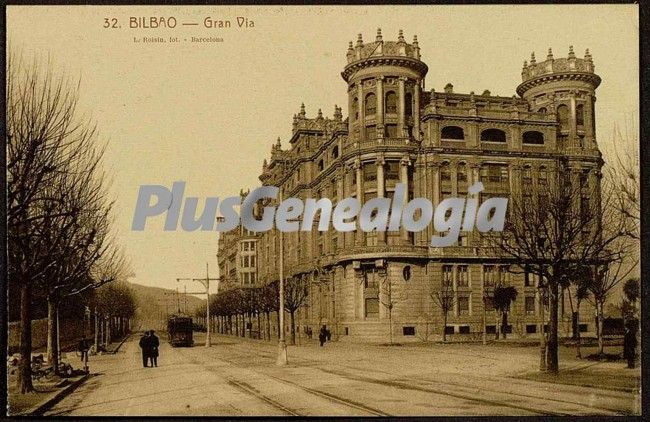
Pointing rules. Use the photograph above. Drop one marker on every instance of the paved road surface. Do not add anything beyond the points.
(237, 377)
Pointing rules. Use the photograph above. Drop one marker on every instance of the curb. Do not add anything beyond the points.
(44, 407)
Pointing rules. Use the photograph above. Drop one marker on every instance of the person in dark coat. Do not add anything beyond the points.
(154, 343)
(84, 346)
(629, 345)
(145, 345)
(322, 335)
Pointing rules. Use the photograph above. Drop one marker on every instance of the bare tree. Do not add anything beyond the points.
(58, 218)
(623, 173)
(296, 290)
(389, 296)
(443, 297)
(557, 231)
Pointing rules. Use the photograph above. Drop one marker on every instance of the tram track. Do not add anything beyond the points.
(449, 389)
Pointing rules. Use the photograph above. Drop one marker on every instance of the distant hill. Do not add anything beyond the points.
(154, 303)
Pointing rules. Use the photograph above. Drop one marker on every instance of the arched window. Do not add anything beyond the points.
(542, 110)
(445, 172)
(335, 152)
(391, 102)
(452, 132)
(580, 115)
(371, 104)
(408, 104)
(563, 116)
(321, 165)
(533, 137)
(355, 108)
(493, 135)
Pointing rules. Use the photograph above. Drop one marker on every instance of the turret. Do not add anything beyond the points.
(565, 87)
(385, 81)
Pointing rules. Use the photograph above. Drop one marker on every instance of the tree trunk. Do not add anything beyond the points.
(268, 326)
(552, 345)
(504, 324)
(278, 323)
(25, 370)
(576, 315)
(390, 325)
(444, 327)
(52, 344)
(575, 325)
(293, 327)
(259, 326)
(601, 342)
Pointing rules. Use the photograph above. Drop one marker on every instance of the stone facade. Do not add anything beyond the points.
(438, 144)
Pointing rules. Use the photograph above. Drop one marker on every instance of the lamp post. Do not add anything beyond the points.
(282, 344)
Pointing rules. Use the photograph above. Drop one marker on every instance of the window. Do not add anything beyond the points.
(583, 328)
(445, 172)
(392, 170)
(541, 177)
(321, 165)
(452, 132)
(542, 110)
(489, 277)
(463, 329)
(408, 331)
(490, 329)
(408, 104)
(390, 131)
(370, 280)
(355, 108)
(530, 305)
(563, 116)
(527, 176)
(372, 307)
(461, 174)
(580, 115)
(533, 137)
(447, 275)
(371, 104)
(391, 102)
(493, 135)
(463, 305)
(461, 275)
(531, 328)
(449, 329)
(335, 152)
(369, 172)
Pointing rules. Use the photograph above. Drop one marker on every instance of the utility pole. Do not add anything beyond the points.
(206, 283)
(282, 344)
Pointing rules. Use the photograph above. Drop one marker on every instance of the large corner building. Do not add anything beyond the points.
(438, 143)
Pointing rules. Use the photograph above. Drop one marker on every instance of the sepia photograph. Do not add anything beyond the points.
(343, 210)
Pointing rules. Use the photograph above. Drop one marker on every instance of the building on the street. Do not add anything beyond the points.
(237, 256)
(438, 143)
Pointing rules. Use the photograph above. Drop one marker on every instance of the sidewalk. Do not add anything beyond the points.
(52, 389)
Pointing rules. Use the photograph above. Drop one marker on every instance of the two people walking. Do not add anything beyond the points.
(324, 335)
(149, 344)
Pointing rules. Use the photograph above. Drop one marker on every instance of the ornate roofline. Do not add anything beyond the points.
(401, 61)
(591, 78)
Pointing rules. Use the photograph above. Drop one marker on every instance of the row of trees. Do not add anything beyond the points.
(60, 245)
(236, 307)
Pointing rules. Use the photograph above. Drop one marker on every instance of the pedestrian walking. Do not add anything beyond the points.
(154, 343)
(322, 335)
(145, 345)
(629, 345)
(84, 346)
(310, 333)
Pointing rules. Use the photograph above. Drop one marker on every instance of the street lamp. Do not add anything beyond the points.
(206, 283)
(282, 344)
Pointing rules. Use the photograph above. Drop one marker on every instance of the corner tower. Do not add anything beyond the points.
(385, 82)
(565, 87)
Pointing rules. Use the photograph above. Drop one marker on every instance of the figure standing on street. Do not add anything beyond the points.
(310, 333)
(154, 344)
(145, 345)
(629, 345)
(322, 335)
(84, 346)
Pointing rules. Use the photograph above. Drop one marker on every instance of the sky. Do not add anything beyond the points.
(208, 113)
